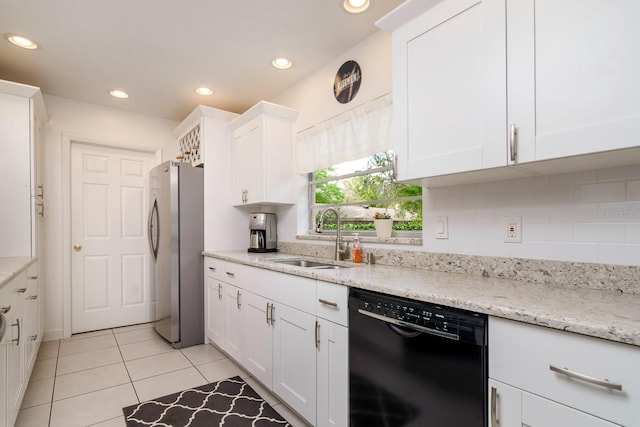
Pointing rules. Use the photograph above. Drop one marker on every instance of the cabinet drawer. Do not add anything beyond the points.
(332, 302)
(214, 267)
(522, 355)
(226, 271)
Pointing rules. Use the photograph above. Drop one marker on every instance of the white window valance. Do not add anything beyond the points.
(354, 134)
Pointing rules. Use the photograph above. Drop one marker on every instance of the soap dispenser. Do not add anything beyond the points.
(356, 249)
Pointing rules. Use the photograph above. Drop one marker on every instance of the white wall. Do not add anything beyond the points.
(86, 123)
(313, 98)
(591, 216)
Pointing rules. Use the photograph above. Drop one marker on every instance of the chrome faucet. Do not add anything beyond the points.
(340, 249)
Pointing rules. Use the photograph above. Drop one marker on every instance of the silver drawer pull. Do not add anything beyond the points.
(329, 303)
(5, 310)
(212, 268)
(597, 381)
(231, 274)
(21, 290)
(33, 297)
(32, 277)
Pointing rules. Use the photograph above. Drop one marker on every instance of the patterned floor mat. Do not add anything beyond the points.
(231, 402)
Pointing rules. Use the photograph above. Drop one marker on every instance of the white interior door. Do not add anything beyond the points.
(109, 259)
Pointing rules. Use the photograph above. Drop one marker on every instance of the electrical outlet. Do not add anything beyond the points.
(513, 229)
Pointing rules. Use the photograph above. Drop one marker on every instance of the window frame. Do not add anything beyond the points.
(313, 206)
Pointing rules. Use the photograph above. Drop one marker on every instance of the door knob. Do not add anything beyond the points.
(77, 247)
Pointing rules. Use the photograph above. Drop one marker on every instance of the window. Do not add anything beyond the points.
(361, 189)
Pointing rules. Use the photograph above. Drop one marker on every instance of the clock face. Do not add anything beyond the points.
(347, 82)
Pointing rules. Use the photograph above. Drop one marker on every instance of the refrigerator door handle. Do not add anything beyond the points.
(154, 232)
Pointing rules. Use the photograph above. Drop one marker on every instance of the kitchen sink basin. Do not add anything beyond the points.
(308, 264)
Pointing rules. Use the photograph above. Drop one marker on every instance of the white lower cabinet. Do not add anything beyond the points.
(13, 347)
(267, 322)
(332, 374)
(294, 359)
(233, 333)
(545, 377)
(258, 330)
(332, 342)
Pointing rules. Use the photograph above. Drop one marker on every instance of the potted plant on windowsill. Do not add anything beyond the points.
(383, 224)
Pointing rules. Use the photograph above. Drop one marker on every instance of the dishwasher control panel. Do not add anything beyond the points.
(422, 316)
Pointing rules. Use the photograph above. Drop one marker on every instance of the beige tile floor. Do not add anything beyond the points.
(87, 379)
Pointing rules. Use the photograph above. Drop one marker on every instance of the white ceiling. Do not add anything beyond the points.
(161, 50)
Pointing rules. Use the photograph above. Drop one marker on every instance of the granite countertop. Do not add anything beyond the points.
(604, 314)
(11, 266)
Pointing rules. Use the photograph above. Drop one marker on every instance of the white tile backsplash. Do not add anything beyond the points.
(603, 192)
(590, 216)
(633, 190)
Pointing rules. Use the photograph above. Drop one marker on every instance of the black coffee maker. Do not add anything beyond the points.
(262, 232)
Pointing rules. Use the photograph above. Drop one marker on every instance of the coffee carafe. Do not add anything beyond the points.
(262, 232)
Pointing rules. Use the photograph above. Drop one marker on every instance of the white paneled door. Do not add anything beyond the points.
(109, 254)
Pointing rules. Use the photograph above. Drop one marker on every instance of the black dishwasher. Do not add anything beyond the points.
(415, 364)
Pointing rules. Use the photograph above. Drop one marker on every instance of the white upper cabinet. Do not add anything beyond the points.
(573, 70)
(263, 155)
(22, 115)
(449, 91)
(495, 89)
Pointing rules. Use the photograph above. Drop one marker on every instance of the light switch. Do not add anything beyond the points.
(442, 228)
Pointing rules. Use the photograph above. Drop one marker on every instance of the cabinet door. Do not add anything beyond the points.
(15, 175)
(258, 354)
(32, 333)
(214, 311)
(248, 160)
(294, 360)
(539, 412)
(505, 405)
(15, 346)
(233, 333)
(573, 79)
(332, 374)
(449, 89)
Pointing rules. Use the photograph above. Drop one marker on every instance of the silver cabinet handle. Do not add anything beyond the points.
(219, 290)
(513, 142)
(267, 313)
(33, 337)
(32, 277)
(329, 303)
(495, 422)
(17, 340)
(22, 290)
(317, 334)
(273, 318)
(212, 268)
(238, 300)
(231, 274)
(593, 380)
(33, 297)
(5, 310)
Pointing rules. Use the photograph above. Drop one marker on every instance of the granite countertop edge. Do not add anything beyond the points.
(557, 307)
(10, 267)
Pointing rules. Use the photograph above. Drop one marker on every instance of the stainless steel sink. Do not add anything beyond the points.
(308, 264)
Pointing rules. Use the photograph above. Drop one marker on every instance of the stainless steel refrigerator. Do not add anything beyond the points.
(176, 239)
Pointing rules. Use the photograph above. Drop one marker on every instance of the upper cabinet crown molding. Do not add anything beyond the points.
(202, 111)
(267, 108)
(404, 13)
(27, 91)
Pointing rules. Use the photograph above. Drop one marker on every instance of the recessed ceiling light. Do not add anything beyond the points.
(355, 6)
(204, 91)
(281, 63)
(119, 94)
(20, 41)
